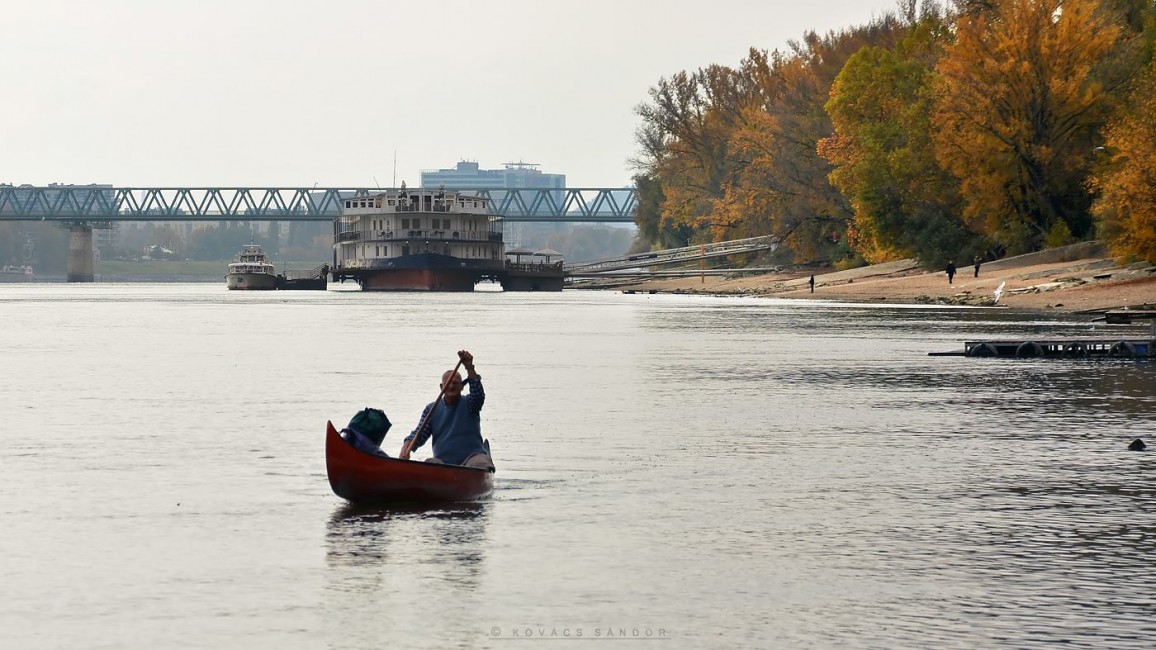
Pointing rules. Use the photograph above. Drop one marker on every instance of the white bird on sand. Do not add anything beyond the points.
(999, 291)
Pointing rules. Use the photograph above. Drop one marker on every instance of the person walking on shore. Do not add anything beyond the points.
(977, 260)
(950, 271)
(812, 283)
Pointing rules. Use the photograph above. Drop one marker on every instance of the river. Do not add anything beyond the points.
(683, 471)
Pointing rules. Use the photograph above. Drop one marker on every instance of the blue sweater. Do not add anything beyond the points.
(457, 429)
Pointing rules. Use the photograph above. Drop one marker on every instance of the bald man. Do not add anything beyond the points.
(456, 423)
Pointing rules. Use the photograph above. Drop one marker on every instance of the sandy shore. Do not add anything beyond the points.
(1076, 278)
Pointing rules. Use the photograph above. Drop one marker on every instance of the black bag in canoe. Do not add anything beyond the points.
(371, 423)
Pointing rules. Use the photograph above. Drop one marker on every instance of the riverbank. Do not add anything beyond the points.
(1072, 279)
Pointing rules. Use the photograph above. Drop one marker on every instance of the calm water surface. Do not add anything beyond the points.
(703, 472)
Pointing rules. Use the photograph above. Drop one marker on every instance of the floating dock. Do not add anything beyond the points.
(315, 279)
(1070, 348)
(1056, 349)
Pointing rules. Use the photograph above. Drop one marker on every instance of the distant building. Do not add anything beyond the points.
(467, 175)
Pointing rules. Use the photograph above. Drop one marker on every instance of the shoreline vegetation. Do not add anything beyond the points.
(1078, 278)
(904, 137)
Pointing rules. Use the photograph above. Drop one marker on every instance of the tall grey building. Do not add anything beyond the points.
(468, 175)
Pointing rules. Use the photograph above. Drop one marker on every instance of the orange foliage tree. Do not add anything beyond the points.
(779, 183)
(1127, 202)
(1023, 92)
(733, 152)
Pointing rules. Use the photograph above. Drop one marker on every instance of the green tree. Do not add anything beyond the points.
(904, 204)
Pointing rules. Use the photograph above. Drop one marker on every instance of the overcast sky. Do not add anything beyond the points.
(242, 93)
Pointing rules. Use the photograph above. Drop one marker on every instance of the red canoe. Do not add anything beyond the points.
(364, 478)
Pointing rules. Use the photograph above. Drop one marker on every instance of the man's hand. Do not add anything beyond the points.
(468, 362)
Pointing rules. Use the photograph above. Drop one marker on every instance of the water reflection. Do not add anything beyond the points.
(444, 543)
(362, 536)
(378, 558)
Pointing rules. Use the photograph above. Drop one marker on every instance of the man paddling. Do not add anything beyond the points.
(454, 421)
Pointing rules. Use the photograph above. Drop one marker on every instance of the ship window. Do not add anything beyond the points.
(347, 204)
(405, 223)
(378, 248)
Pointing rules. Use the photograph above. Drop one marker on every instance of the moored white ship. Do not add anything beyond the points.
(417, 240)
(252, 270)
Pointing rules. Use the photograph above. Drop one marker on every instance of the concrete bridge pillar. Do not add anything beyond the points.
(80, 267)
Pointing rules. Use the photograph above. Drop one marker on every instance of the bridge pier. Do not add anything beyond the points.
(80, 267)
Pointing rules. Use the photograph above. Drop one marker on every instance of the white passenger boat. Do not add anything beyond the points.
(252, 270)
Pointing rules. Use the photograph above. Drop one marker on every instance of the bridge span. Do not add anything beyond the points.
(80, 208)
(99, 205)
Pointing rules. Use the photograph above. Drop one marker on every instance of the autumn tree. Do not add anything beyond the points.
(1023, 91)
(904, 204)
(684, 138)
(653, 230)
(779, 184)
(1127, 202)
(734, 152)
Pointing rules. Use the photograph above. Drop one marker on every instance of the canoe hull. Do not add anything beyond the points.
(366, 479)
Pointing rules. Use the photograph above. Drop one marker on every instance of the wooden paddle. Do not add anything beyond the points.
(409, 443)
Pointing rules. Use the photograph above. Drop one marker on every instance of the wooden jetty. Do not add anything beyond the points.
(1056, 349)
(1070, 348)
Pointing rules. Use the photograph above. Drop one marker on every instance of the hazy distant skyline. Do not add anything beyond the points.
(260, 93)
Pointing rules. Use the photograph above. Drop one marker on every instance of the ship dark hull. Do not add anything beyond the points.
(533, 280)
(421, 272)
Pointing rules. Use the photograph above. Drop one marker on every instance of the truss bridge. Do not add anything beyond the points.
(103, 204)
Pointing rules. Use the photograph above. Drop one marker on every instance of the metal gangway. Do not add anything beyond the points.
(673, 256)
